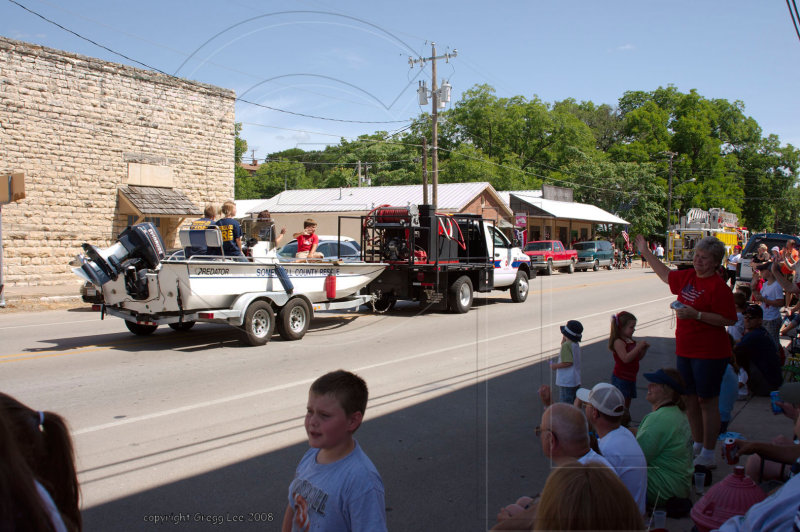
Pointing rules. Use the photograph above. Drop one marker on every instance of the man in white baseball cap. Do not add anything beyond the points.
(604, 406)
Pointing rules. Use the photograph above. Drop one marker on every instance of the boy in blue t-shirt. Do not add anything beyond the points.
(197, 236)
(336, 487)
(568, 367)
(231, 231)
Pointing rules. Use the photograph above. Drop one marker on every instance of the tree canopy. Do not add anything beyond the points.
(620, 158)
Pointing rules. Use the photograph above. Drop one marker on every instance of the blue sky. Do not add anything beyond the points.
(348, 60)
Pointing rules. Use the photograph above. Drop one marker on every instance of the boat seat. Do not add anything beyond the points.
(210, 239)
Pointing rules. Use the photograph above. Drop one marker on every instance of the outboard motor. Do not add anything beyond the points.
(138, 248)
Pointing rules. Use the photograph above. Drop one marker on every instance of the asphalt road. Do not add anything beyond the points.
(200, 430)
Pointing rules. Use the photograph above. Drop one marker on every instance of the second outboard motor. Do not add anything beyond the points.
(138, 248)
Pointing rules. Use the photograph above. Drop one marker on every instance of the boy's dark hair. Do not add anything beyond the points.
(349, 389)
(308, 222)
(746, 290)
(740, 299)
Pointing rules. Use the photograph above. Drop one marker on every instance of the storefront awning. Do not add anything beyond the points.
(156, 202)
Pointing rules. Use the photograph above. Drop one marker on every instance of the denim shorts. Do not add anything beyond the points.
(566, 394)
(703, 376)
(628, 388)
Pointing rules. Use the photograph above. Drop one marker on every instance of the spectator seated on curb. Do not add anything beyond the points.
(736, 331)
(44, 441)
(578, 497)
(564, 435)
(605, 406)
(663, 436)
(774, 460)
(758, 355)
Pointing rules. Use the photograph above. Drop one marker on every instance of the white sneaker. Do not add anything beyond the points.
(708, 462)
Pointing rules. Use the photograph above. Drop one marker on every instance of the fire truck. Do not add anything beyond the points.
(698, 224)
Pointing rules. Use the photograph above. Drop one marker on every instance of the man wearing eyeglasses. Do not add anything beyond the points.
(757, 354)
(564, 433)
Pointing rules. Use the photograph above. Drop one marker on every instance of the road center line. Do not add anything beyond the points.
(306, 382)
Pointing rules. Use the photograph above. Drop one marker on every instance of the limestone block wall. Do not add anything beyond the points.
(72, 124)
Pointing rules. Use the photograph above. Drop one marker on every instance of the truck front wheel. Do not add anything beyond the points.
(459, 296)
(385, 303)
(259, 323)
(519, 290)
(549, 269)
(571, 267)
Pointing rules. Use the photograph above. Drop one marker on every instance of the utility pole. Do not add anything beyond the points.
(436, 98)
(671, 155)
(424, 171)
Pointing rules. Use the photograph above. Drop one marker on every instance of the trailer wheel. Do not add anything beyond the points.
(259, 323)
(293, 320)
(549, 269)
(459, 296)
(181, 326)
(519, 290)
(140, 329)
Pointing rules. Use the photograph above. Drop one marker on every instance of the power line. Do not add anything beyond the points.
(793, 14)
(145, 65)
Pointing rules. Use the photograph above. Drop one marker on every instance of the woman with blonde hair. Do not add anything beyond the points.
(586, 497)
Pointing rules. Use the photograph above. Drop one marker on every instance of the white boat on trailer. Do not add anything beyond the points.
(147, 289)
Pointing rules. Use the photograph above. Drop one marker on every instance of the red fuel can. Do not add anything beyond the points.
(330, 286)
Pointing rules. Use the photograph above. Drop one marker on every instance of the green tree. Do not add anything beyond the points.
(239, 144)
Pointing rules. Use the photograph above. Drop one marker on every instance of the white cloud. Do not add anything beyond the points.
(625, 48)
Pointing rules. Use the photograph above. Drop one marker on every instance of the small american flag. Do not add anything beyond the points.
(627, 239)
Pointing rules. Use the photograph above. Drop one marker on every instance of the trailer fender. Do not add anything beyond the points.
(243, 302)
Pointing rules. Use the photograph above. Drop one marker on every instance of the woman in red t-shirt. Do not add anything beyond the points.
(701, 341)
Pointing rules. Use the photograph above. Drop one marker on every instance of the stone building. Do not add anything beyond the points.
(102, 146)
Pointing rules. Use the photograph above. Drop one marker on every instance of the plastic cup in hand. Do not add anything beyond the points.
(699, 483)
(659, 520)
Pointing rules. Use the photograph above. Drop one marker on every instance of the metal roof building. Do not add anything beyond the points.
(326, 205)
(549, 219)
(452, 197)
(562, 209)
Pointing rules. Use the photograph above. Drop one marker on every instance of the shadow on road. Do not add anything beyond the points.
(448, 462)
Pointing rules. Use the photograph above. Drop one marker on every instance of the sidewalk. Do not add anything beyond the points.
(754, 420)
(42, 297)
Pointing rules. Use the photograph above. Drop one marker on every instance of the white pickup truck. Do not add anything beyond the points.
(440, 259)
